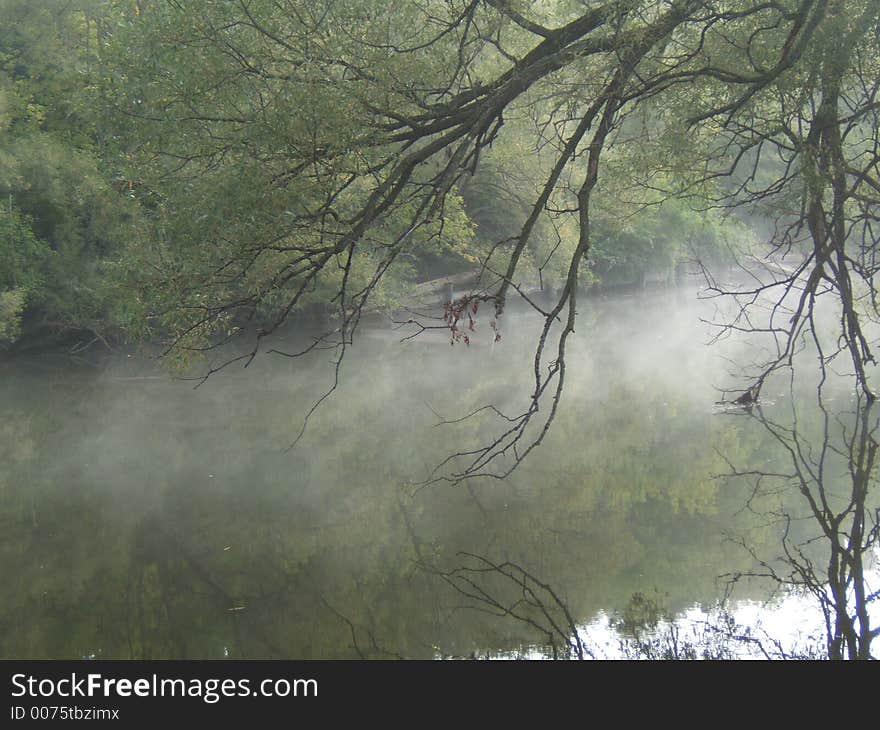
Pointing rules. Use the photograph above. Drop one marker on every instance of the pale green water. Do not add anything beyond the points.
(142, 518)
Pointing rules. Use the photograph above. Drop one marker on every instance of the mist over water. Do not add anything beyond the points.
(143, 517)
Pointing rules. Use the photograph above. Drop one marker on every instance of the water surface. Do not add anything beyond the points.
(145, 518)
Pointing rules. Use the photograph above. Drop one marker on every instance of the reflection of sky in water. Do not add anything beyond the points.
(791, 626)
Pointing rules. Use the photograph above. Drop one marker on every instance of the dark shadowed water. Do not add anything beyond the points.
(143, 518)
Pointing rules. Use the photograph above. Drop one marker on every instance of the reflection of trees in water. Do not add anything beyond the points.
(534, 603)
(813, 488)
(193, 539)
(829, 534)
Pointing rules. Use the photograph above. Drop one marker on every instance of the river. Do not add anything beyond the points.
(145, 518)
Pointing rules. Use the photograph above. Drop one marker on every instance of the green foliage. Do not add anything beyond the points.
(23, 258)
(11, 307)
(196, 168)
(22, 255)
(657, 237)
(65, 220)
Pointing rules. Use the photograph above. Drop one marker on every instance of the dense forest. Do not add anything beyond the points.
(86, 199)
(183, 172)
(199, 180)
